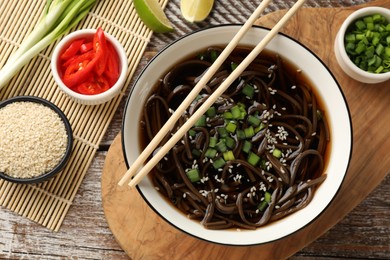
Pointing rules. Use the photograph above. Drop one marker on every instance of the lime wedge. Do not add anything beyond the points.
(196, 10)
(153, 16)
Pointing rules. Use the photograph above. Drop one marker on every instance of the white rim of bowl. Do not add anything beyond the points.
(90, 98)
(340, 40)
(285, 233)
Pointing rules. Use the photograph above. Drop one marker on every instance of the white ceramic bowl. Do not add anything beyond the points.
(341, 55)
(90, 99)
(328, 90)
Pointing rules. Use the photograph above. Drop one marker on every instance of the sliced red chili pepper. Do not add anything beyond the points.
(85, 47)
(100, 47)
(92, 87)
(73, 48)
(77, 58)
(79, 69)
(112, 68)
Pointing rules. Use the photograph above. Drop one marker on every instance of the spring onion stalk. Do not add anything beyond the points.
(58, 18)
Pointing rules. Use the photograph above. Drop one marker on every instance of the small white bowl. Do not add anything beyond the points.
(90, 99)
(341, 55)
(327, 89)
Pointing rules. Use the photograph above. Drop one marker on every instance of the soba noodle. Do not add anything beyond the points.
(256, 156)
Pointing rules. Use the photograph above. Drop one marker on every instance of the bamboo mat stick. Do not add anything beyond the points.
(212, 98)
(192, 95)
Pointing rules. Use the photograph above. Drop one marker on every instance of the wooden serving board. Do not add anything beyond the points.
(144, 235)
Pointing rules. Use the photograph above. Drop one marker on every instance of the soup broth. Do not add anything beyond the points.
(256, 156)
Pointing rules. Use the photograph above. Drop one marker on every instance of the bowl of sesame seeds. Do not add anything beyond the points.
(35, 139)
(264, 161)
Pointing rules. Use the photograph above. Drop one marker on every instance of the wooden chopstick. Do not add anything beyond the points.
(193, 94)
(212, 98)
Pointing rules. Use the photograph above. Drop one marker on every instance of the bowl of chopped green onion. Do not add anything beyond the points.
(362, 45)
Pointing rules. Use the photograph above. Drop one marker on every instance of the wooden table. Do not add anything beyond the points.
(364, 233)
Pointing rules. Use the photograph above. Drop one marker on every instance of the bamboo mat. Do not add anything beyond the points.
(47, 203)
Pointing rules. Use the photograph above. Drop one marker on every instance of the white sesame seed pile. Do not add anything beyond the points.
(33, 139)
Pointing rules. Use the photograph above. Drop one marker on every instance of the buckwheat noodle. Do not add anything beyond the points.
(289, 145)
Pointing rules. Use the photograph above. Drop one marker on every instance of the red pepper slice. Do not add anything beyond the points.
(100, 47)
(72, 49)
(112, 68)
(79, 69)
(95, 86)
(85, 47)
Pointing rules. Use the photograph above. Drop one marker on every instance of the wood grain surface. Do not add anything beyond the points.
(143, 235)
(362, 234)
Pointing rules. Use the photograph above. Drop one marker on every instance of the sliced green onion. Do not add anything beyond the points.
(210, 153)
(248, 91)
(191, 132)
(231, 127)
(230, 142)
(233, 66)
(247, 146)
(213, 141)
(277, 153)
(222, 132)
(228, 155)
(213, 55)
(360, 24)
(221, 146)
(201, 121)
(267, 196)
(262, 205)
(219, 163)
(249, 132)
(193, 175)
(253, 120)
(240, 134)
(236, 112)
(228, 115)
(253, 159)
(211, 112)
(260, 127)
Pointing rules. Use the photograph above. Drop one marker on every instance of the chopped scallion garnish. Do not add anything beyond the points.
(253, 120)
(248, 90)
(219, 163)
(277, 153)
(231, 127)
(228, 155)
(213, 141)
(210, 153)
(366, 41)
(247, 146)
(193, 175)
(201, 122)
(253, 159)
(211, 112)
(221, 146)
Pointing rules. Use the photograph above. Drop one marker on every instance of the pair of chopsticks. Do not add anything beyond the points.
(139, 175)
